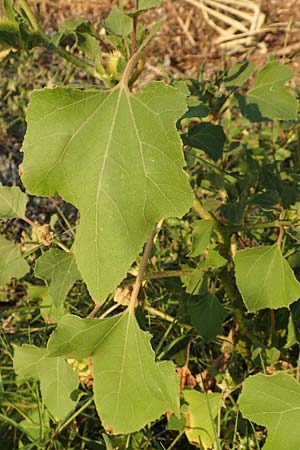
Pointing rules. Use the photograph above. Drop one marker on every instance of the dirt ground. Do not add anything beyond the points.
(188, 37)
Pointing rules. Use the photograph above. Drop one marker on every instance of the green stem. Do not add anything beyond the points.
(30, 16)
(61, 245)
(73, 59)
(167, 317)
(167, 274)
(261, 225)
(70, 420)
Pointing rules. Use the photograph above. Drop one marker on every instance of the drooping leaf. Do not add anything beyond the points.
(239, 73)
(202, 230)
(12, 263)
(265, 279)
(269, 98)
(202, 411)
(130, 388)
(59, 270)
(117, 157)
(12, 202)
(274, 402)
(118, 22)
(207, 137)
(207, 315)
(57, 378)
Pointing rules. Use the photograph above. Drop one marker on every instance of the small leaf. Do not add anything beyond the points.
(57, 378)
(273, 401)
(12, 263)
(239, 73)
(118, 22)
(268, 98)
(195, 282)
(207, 137)
(265, 279)
(207, 316)
(71, 27)
(130, 388)
(201, 413)
(93, 138)
(48, 311)
(143, 5)
(202, 230)
(59, 270)
(12, 202)
(213, 260)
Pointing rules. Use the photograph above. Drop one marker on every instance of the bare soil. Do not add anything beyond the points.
(185, 40)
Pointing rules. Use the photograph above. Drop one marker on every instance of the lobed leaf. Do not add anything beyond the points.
(117, 157)
(130, 388)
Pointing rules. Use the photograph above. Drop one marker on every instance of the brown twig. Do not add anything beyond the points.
(139, 279)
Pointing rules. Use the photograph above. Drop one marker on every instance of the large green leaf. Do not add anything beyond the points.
(12, 263)
(274, 402)
(202, 411)
(265, 279)
(59, 270)
(269, 98)
(130, 388)
(117, 157)
(57, 378)
(12, 202)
